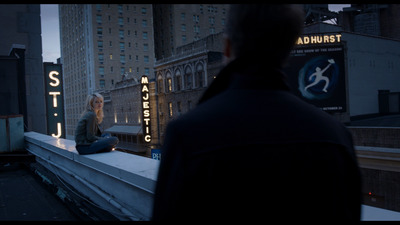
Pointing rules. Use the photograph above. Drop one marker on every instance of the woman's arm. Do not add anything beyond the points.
(91, 127)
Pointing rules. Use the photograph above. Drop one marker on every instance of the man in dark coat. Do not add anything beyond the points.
(251, 150)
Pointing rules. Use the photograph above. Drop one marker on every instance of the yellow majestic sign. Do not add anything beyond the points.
(319, 39)
(146, 109)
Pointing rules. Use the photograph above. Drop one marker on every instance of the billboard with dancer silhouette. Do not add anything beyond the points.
(317, 75)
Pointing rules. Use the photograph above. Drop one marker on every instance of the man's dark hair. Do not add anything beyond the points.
(264, 30)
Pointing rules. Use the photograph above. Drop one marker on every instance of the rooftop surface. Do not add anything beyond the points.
(23, 197)
(381, 121)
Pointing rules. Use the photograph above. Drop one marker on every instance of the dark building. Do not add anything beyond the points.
(373, 19)
(21, 68)
(180, 24)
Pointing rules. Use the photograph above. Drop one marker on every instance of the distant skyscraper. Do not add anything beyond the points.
(179, 24)
(100, 45)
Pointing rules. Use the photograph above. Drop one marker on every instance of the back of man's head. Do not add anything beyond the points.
(264, 30)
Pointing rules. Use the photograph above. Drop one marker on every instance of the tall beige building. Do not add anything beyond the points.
(180, 24)
(102, 44)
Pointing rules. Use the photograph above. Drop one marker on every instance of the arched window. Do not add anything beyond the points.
(178, 80)
(160, 83)
(168, 83)
(199, 75)
(188, 78)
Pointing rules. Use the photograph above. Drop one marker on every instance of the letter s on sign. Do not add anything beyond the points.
(55, 79)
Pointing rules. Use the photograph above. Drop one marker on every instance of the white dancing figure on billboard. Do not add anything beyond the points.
(318, 76)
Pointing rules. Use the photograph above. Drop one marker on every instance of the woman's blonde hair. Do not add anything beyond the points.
(89, 106)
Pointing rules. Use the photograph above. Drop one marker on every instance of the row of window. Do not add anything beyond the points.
(123, 70)
(99, 20)
(179, 83)
(146, 58)
(179, 108)
(196, 28)
(100, 44)
(121, 33)
(121, 8)
(196, 18)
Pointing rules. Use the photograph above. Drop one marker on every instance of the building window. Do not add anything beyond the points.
(196, 18)
(101, 71)
(122, 58)
(146, 47)
(178, 80)
(122, 46)
(111, 56)
(160, 84)
(121, 21)
(145, 35)
(146, 71)
(168, 83)
(212, 30)
(199, 75)
(98, 19)
(179, 107)
(144, 11)
(146, 58)
(182, 16)
(144, 23)
(100, 44)
(170, 109)
(183, 27)
(211, 20)
(196, 28)
(102, 83)
(121, 34)
(188, 78)
(101, 58)
(99, 31)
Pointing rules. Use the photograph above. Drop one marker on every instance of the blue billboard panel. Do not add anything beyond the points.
(317, 75)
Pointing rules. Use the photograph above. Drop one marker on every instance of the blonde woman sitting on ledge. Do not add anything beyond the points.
(88, 136)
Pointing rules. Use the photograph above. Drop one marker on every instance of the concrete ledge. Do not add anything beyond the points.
(118, 182)
(378, 158)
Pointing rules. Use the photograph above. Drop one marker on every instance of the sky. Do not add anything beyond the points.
(51, 33)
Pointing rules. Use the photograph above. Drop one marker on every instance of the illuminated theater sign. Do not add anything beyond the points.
(319, 39)
(54, 100)
(316, 71)
(146, 109)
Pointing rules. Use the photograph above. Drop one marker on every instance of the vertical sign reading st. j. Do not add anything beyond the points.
(146, 109)
(54, 100)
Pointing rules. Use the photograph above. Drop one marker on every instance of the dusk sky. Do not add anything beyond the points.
(51, 33)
